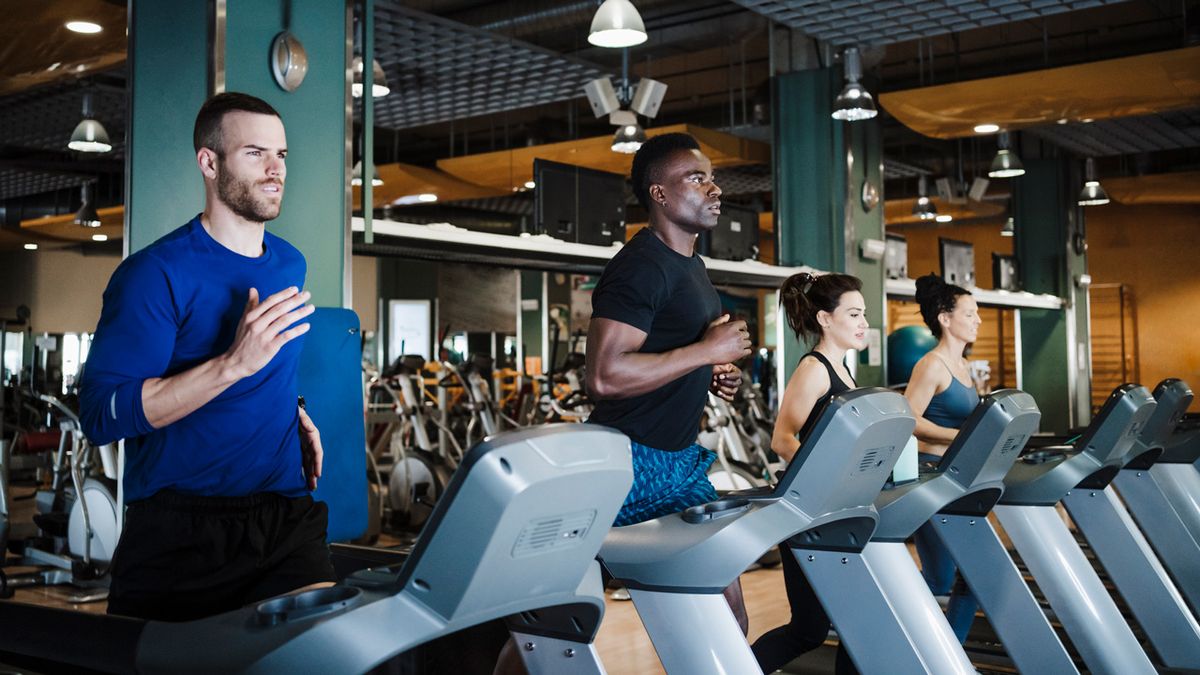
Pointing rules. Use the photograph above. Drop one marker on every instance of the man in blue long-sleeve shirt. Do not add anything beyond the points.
(194, 363)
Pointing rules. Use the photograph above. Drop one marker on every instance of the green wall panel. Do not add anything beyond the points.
(821, 165)
(169, 63)
(1054, 351)
(168, 56)
(313, 216)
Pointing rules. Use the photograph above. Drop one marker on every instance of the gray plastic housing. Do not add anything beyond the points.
(970, 477)
(518, 529)
(824, 499)
(1045, 477)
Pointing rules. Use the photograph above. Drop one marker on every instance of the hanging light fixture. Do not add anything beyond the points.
(1009, 229)
(1092, 194)
(617, 24)
(1006, 163)
(379, 87)
(924, 208)
(854, 103)
(629, 138)
(356, 177)
(86, 216)
(89, 135)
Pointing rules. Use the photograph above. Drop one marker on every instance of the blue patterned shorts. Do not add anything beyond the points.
(666, 482)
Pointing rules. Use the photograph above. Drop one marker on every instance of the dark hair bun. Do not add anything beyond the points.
(935, 296)
(929, 286)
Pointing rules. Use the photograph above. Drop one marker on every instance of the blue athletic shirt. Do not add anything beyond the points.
(172, 306)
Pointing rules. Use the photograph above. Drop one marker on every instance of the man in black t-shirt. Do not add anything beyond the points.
(657, 342)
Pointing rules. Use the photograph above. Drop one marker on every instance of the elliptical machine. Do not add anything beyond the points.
(79, 518)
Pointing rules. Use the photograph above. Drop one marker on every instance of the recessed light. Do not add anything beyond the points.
(988, 128)
(99, 237)
(1087, 120)
(944, 218)
(427, 197)
(1062, 120)
(529, 185)
(86, 27)
(54, 66)
(30, 247)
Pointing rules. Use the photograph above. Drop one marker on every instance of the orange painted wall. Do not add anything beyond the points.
(1155, 250)
(923, 248)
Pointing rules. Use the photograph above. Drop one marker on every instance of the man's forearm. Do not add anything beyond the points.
(169, 399)
(633, 373)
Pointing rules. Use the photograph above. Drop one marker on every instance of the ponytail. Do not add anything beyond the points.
(804, 295)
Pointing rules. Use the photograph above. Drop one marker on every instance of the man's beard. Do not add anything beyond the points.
(242, 197)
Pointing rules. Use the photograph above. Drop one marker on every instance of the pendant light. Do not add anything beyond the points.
(1092, 194)
(617, 24)
(629, 138)
(379, 85)
(1009, 229)
(89, 135)
(356, 177)
(1006, 163)
(924, 208)
(854, 103)
(86, 216)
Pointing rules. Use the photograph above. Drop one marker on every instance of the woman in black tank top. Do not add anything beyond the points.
(829, 309)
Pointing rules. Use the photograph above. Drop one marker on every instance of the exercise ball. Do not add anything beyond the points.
(905, 347)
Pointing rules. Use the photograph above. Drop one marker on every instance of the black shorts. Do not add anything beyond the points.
(184, 557)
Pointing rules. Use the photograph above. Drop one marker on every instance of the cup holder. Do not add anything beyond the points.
(1043, 456)
(715, 509)
(306, 605)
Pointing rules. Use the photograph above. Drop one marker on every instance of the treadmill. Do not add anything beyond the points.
(1035, 484)
(966, 484)
(515, 536)
(676, 566)
(1164, 496)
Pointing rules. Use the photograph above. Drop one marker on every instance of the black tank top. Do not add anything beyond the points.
(836, 386)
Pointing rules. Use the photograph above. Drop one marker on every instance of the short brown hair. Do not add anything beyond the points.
(207, 132)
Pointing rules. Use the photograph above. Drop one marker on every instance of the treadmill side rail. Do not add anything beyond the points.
(1079, 599)
(1158, 504)
(1138, 575)
(849, 591)
(1010, 607)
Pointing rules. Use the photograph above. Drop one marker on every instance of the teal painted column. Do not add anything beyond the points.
(821, 165)
(314, 215)
(1054, 343)
(168, 82)
(169, 55)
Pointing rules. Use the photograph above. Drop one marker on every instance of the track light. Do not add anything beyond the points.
(1009, 229)
(1006, 163)
(86, 216)
(924, 208)
(356, 177)
(617, 24)
(379, 87)
(1092, 194)
(629, 138)
(89, 135)
(854, 103)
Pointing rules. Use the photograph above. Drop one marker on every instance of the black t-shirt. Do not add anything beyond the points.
(649, 286)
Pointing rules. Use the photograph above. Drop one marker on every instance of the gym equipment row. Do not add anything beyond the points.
(522, 520)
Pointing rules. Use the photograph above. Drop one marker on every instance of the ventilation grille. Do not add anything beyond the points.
(875, 458)
(554, 533)
(1012, 443)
